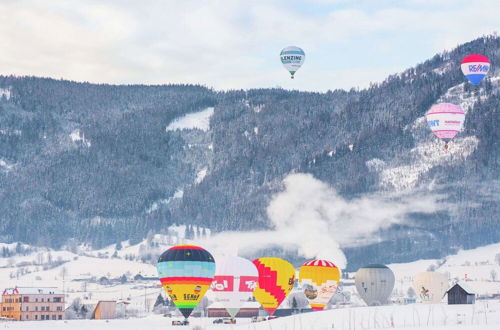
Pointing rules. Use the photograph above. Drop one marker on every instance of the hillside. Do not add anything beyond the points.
(101, 164)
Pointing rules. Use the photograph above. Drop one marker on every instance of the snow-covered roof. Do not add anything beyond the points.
(463, 286)
(33, 290)
(248, 304)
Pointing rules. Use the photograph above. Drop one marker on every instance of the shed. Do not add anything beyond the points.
(460, 293)
(104, 310)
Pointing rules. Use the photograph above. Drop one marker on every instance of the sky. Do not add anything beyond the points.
(230, 44)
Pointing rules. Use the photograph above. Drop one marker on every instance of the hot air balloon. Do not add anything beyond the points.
(475, 67)
(276, 279)
(292, 58)
(430, 287)
(234, 282)
(186, 272)
(445, 120)
(374, 284)
(319, 279)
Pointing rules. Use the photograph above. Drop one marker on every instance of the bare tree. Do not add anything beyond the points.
(493, 275)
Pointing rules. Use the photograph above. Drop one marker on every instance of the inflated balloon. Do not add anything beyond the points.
(430, 287)
(319, 279)
(292, 58)
(374, 284)
(445, 120)
(475, 67)
(234, 282)
(186, 272)
(276, 279)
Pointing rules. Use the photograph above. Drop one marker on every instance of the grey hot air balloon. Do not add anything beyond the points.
(374, 284)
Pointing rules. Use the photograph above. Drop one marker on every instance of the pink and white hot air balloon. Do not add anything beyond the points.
(445, 120)
(234, 282)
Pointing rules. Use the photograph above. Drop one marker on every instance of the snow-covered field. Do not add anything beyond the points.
(482, 315)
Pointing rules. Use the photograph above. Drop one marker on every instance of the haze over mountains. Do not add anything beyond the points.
(104, 163)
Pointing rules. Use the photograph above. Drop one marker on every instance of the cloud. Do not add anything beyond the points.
(311, 217)
(231, 44)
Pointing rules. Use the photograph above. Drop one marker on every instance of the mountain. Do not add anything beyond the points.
(103, 163)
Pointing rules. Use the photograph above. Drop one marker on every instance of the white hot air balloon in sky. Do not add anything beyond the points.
(292, 58)
(234, 282)
(430, 287)
(374, 284)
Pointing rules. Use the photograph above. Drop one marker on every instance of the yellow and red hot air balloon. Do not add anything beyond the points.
(319, 279)
(186, 272)
(276, 279)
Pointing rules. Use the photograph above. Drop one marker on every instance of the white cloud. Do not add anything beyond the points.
(229, 44)
(310, 217)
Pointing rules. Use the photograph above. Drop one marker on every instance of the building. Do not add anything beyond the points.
(249, 309)
(32, 304)
(104, 310)
(460, 293)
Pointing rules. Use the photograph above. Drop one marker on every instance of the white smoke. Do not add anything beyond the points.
(309, 216)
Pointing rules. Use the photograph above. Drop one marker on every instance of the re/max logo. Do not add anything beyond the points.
(433, 123)
(479, 68)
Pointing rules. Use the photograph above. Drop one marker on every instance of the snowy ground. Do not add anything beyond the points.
(483, 315)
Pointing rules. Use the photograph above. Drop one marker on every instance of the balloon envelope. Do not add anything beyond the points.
(374, 284)
(445, 120)
(234, 282)
(319, 279)
(475, 67)
(292, 58)
(430, 287)
(276, 279)
(186, 272)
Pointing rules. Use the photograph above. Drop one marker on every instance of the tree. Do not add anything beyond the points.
(493, 275)
(159, 301)
(410, 292)
(294, 303)
(118, 246)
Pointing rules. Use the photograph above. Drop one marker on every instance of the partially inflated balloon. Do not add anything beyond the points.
(319, 279)
(445, 120)
(276, 279)
(292, 58)
(186, 272)
(374, 284)
(430, 287)
(475, 67)
(234, 282)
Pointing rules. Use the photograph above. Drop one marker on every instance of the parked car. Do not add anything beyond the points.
(180, 322)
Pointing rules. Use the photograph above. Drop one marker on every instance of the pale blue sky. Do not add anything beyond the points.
(229, 44)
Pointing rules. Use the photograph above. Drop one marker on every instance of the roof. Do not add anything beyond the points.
(375, 266)
(463, 286)
(248, 304)
(32, 290)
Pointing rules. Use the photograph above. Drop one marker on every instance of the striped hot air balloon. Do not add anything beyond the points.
(475, 67)
(186, 272)
(319, 279)
(445, 120)
(276, 279)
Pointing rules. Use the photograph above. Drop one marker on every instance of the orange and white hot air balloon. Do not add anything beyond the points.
(319, 279)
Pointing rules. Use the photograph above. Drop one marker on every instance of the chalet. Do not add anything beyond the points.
(460, 293)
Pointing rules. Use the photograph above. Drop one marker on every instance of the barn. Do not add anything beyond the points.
(460, 293)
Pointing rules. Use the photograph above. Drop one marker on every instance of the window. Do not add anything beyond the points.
(26, 299)
(27, 317)
(36, 299)
(36, 317)
(59, 317)
(43, 309)
(47, 308)
(53, 317)
(47, 317)
(27, 308)
(42, 317)
(57, 299)
(59, 308)
(36, 308)
(42, 299)
(48, 299)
